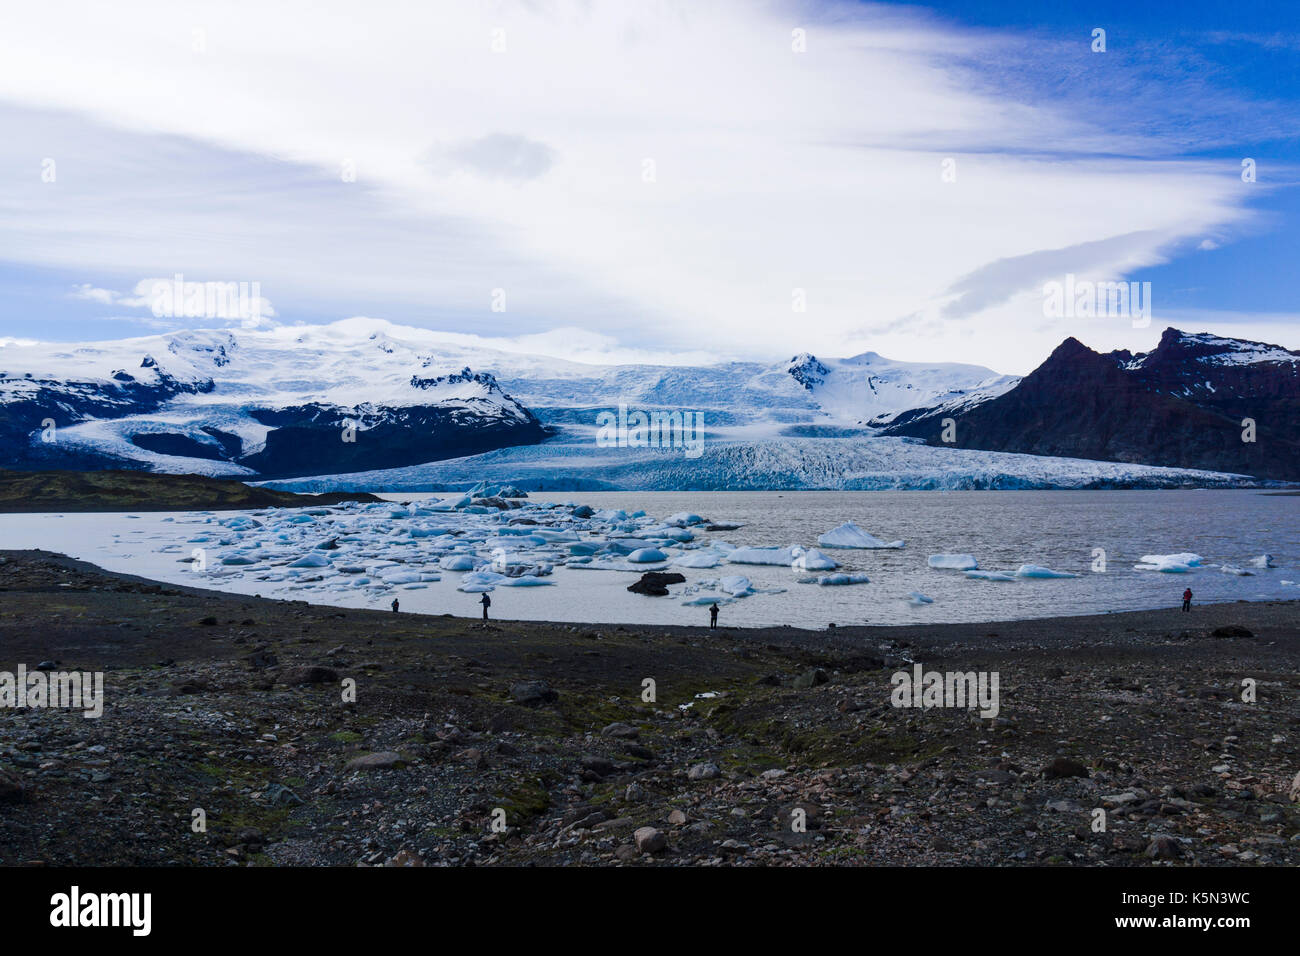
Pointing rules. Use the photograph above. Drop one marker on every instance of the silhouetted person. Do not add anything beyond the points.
(394, 605)
(713, 616)
(486, 602)
(1187, 600)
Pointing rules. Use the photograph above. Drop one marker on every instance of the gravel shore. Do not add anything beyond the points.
(519, 743)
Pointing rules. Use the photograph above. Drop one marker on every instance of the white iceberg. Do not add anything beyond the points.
(1180, 563)
(1263, 561)
(1233, 569)
(737, 585)
(953, 562)
(849, 535)
(813, 560)
(919, 599)
(316, 560)
(778, 556)
(698, 559)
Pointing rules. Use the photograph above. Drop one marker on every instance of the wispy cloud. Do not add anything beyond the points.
(669, 175)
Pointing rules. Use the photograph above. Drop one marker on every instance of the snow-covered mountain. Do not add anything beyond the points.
(364, 402)
(280, 402)
(277, 402)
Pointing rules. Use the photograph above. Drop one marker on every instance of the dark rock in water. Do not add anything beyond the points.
(655, 583)
(46, 666)
(810, 678)
(533, 693)
(583, 511)
(1064, 767)
(1232, 630)
(309, 674)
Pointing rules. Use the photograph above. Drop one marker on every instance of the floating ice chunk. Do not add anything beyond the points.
(953, 562)
(316, 560)
(526, 581)
(813, 560)
(1233, 569)
(478, 581)
(919, 599)
(707, 599)
(683, 518)
(990, 576)
(647, 556)
(849, 535)
(458, 562)
(737, 585)
(698, 559)
(777, 556)
(835, 579)
(402, 577)
(238, 559)
(1263, 561)
(551, 536)
(1180, 563)
(1037, 571)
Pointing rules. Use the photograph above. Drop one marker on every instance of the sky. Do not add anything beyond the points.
(656, 181)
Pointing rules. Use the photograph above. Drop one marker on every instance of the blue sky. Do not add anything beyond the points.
(665, 178)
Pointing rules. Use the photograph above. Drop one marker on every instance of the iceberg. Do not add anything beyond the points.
(836, 579)
(698, 559)
(458, 562)
(849, 535)
(311, 561)
(990, 576)
(919, 599)
(646, 556)
(1180, 563)
(1037, 571)
(1233, 569)
(953, 562)
(737, 585)
(778, 556)
(813, 560)
(1263, 561)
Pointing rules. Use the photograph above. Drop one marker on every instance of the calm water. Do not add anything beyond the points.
(1003, 529)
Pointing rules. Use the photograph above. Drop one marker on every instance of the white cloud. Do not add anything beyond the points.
(664, 174)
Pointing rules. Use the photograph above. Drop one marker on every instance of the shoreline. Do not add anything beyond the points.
(232, 704)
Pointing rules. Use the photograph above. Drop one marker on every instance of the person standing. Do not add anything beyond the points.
(394, 605)
(1187, 600)
(486, 602)
(713, 617)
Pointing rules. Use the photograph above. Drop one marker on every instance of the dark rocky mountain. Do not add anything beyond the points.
(1182, 404)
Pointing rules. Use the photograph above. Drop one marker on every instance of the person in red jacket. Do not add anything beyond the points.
(1187, 600)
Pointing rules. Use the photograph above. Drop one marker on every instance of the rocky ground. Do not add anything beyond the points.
(760, 747)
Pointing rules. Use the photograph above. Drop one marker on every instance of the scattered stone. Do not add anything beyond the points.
(1064, 767)
(533, 693)
(650, 840)
(703, 771)
(383, 760)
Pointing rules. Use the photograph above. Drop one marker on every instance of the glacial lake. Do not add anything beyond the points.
(1061, 530)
